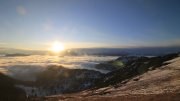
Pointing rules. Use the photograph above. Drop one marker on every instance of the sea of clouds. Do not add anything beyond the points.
(25, 67)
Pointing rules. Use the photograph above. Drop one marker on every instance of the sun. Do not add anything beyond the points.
(57, 47)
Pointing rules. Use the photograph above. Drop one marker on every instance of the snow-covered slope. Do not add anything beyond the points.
(159, 84)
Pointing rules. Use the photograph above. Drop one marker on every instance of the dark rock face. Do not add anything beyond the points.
(8, 91)
(134, 67)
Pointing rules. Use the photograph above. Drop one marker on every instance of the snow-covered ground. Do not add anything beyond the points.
(161, 84)
(165, 79)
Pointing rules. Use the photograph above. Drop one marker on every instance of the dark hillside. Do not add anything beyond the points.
(8, 91)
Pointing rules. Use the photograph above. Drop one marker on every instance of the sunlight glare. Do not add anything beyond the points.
(57, 47)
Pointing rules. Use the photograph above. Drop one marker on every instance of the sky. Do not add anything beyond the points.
(35, 24)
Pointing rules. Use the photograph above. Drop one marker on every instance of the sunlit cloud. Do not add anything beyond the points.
(21, 10)
(30, 65)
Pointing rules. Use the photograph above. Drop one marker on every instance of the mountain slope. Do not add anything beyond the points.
(8, 91)
(159, 82)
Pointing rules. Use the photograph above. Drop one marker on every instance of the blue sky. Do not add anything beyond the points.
(34, 24)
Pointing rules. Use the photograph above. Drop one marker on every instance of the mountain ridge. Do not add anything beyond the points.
(159, 83)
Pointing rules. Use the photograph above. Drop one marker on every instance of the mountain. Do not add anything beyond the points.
(131, 51)
(133, 67)
(53, 80)
(131, 78)
(57, 79)
(14, 55)
(141, 79)
(8, 90)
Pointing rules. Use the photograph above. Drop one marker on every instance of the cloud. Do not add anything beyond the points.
(21, 10)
